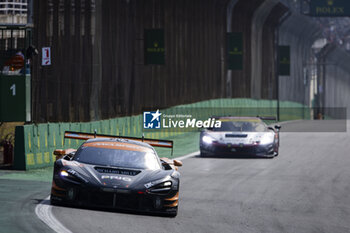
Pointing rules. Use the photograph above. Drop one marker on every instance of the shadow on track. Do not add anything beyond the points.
(41, 201)
(230, 157)
(106, 209)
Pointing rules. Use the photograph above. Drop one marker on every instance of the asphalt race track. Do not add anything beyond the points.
(305, 189)
(17, 204)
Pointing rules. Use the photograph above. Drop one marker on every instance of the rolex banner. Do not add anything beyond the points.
(235, 50)
(154, 47)
(330, 8)
(284, 60)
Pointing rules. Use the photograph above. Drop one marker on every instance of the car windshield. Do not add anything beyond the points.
(117, 158)
(241, 126)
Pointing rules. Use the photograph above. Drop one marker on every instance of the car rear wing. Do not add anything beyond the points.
(264, 118)
(152, 142)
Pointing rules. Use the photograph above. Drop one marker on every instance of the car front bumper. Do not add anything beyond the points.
(238, 150)
(66, 193)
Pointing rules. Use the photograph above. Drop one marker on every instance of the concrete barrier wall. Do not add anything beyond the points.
(34, 144)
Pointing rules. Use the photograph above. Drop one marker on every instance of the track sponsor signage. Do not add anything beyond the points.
(284, 60)
(46, 56)
(330, 8)
(235, 51)
(154, 47)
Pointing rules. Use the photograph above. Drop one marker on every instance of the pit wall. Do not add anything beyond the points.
(35, 143)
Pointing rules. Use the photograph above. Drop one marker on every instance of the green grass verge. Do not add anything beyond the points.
(183, 144)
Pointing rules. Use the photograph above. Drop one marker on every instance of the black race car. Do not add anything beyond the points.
(116, 172)
(241, 136)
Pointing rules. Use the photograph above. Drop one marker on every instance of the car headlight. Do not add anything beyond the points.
(207, 139)
(72, 175)
(159, 188)
(162, 182)
(64, 173)
(166, 184)
(266, 139)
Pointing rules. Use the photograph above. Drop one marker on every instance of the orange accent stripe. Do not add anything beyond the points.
(176, 203)
(54, 186)
(86, 136)
(174, 198)
(56, 194)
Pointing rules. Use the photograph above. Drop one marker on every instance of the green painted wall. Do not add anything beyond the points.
(34, 144)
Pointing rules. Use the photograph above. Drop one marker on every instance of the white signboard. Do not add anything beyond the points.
(46, 56)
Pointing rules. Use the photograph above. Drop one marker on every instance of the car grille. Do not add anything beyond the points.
(115, 200)
(236, 135)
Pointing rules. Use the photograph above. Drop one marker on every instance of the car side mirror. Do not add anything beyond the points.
(60, 153)
(278, 127)
(177, 163)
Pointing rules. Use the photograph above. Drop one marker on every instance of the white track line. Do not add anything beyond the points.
(44, 212)
(44, 209)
